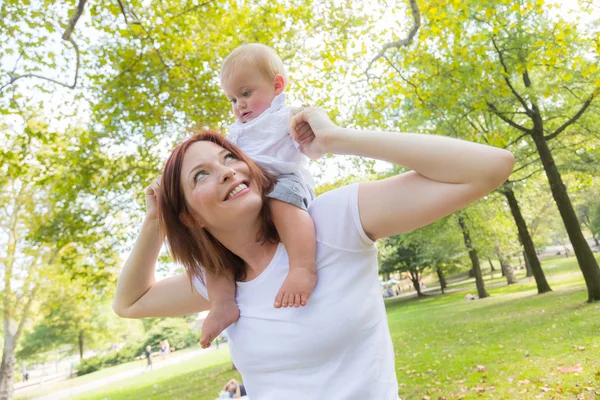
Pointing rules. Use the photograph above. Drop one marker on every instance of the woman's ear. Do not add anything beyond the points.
(279, 84)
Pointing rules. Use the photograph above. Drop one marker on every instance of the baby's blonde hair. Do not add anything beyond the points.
(254, 55)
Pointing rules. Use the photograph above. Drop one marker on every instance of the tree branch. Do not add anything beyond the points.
(149, 37)
(416, 14)
(193, 8)
(479, 129)
(125, 11)
(528, 176)
(14, 77)
(574, 118)
(73, 20)
(25, 314)
(405, 80)
(493, 109)
(526, 165)
(515, 140)
(506, 74)
(573, 93)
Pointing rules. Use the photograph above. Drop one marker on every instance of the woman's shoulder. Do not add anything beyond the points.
(337, 219)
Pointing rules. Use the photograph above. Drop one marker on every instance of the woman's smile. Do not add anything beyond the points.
(238, 189)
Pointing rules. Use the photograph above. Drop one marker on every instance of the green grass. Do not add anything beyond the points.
(553, 267)
(190, 379)
(157, 360)
(521, 340)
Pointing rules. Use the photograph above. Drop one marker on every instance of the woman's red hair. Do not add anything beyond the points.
(192, 246)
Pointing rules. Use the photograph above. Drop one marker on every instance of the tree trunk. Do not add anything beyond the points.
(417, 286)
(81, 344)
(481, 292)
(507, 268)
(585, 257)
(7, 368)
(528, 265)
(491, 265)
(414, 278)
(525, 238)
(442, 278)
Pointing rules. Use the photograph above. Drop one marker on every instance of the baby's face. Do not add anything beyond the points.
(249, 92)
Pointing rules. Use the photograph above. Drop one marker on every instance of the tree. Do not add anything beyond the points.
(397, 257)
(490, 67)
(53, 216)
(78, 315)
(525, 238)
(434, 246)
(439, 246)
(595, 221)
(481, 291)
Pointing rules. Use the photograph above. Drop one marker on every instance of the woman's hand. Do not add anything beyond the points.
(152, 193)
(313, 130)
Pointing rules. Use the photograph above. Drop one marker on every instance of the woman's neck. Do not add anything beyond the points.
(257, 257)
(243, 243)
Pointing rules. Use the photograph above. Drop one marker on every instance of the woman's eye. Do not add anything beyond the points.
(229, 157)
(246, 94)
(232, 100)
(199, 175)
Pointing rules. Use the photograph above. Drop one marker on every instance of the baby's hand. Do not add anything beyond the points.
(313, 130)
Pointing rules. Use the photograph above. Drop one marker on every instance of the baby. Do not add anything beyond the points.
(254, 80)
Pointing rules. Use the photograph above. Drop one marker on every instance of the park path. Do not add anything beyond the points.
(108, 380)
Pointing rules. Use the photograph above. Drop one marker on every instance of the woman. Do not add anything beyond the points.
(338, 346)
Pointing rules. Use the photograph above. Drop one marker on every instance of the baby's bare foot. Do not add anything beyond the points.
(297, 287)
(221, 315)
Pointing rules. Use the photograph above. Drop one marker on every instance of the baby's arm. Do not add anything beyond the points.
(223, 309)
(297, 232)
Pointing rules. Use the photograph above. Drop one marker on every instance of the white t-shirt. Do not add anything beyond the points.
(267, 141)
(337, 347)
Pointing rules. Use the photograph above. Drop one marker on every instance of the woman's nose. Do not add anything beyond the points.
(227, 174)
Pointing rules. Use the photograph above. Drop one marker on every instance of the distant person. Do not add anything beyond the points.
(148, 354)
(165, 349)
(235, 389)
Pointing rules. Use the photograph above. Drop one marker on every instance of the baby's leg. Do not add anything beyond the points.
(223, 309)
(297, 232)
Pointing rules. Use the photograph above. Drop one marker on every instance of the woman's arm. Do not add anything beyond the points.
(447, 174)
(138, 295)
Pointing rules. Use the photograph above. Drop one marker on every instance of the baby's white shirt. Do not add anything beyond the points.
(266, 139)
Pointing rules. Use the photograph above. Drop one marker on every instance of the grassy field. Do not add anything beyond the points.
(512, 345)
(191, 379)
(97, 375)
(509, 346)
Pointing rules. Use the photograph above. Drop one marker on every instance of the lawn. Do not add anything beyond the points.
(195, 378)
(512, 345)
(509, 346)
(97, 375)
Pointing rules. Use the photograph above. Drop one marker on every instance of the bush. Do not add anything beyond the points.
(89, 365)
(177, 331)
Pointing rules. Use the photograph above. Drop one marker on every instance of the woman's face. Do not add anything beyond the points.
(218, 188)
